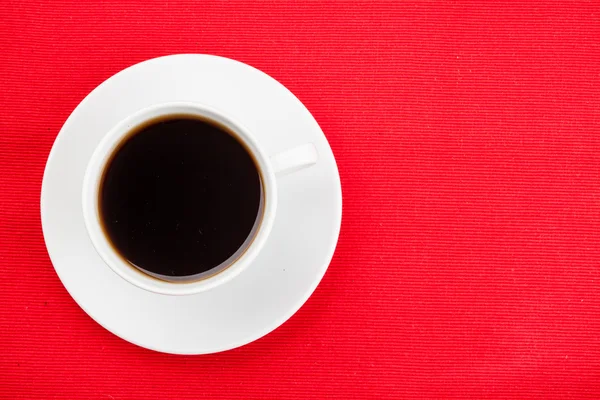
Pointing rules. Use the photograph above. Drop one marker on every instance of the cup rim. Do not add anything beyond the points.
(91, 187)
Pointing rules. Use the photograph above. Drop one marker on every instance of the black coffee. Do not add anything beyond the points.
(179, 196)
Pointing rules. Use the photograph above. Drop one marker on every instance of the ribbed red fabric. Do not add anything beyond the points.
(468, 141)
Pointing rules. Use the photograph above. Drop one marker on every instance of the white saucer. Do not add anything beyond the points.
(284, 274)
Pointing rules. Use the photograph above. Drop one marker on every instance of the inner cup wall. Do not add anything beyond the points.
(140, 129)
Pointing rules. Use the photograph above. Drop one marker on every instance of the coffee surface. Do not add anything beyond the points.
(179, 196)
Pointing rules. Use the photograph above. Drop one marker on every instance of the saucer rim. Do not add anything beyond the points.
(166, 348)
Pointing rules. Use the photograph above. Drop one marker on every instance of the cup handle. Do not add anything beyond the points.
(294, 159)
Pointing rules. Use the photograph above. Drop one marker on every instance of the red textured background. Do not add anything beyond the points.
(468, 142)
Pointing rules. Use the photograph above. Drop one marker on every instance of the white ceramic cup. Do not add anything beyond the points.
(269, 166)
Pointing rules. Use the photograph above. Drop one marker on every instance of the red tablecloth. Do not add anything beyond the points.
(468, 143)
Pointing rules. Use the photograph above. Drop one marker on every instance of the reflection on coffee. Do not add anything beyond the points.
(180, 196)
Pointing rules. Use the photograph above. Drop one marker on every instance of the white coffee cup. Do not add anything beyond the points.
(270, 168)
